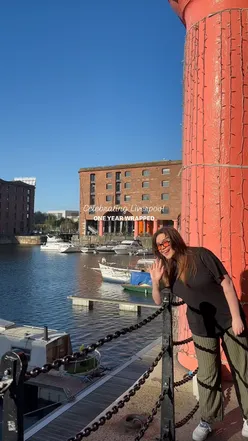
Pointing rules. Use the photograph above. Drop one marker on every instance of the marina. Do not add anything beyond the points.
(35, 287)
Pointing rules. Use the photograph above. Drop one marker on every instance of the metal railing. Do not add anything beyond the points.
(14, 365)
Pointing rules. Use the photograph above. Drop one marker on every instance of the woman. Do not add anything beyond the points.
(198, 277)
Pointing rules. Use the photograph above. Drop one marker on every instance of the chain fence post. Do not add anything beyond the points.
(168, 405)
(13, 369)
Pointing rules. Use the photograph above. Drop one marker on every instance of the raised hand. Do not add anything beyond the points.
(156, 271)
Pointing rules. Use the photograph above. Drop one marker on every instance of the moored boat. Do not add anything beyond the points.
(128, 247)
(139, 282)
(90, 249)
(144, 289)
(110, 273)
(107, 248)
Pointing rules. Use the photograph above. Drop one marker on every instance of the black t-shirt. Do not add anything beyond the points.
(208, 312)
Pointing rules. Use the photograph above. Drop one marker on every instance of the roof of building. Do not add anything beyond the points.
(134, 165)
(16, 183)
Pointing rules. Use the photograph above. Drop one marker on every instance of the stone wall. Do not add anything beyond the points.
(28, 240)
(19, 240)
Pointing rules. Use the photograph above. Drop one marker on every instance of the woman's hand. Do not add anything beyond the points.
(237, 326)
(156, 271)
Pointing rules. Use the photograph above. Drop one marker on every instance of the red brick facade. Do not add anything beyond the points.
(140, 190)
(16, 207)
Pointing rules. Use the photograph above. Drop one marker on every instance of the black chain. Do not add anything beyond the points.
(56, 364)
(186, 379)
(182, 342)
(151, 416)
(178, 303)
(186, 419)
(155, 411)
(115, 409)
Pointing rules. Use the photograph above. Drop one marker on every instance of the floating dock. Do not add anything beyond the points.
(123, 305)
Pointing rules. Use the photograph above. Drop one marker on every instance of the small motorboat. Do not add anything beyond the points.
(107, 248)
(90, 249)
(110, 273)
(139, 282)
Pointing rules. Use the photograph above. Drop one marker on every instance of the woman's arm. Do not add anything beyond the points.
(231, 296)
(233, 303)
(156, 293)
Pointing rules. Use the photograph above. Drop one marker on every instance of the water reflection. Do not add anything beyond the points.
(35, 286)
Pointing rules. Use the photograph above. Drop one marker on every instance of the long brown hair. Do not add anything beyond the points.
(182, 264)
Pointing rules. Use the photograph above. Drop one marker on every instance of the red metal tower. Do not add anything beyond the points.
(215, 146)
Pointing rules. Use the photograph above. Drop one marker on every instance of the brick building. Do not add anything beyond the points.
(16, 207)
(130, 198)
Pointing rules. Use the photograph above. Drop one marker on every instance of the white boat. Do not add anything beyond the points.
(55, 244)
(71, 248)
(145, 262)
(128, 247)
(110, 273)
(144, 252)
(107, 248)
(40, 345)
(89, 249)
(116, 275)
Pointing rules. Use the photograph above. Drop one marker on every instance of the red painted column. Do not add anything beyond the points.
(215, 146)
(100, 228)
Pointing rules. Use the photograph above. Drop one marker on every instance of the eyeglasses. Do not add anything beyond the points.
(162, 246)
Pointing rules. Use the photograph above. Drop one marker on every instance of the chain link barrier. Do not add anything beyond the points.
(136, 387)
(56, 364)
(120, 404)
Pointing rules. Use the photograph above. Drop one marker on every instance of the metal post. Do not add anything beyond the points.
(14, 367)
(168, 405)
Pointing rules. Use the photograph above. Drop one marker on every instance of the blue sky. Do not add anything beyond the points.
(86, 83)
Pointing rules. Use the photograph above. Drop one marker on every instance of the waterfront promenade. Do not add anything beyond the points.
(88, 406)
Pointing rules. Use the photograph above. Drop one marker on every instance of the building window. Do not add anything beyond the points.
(27, 207)
(118, 187)
(117, 199)
(166, 171)
(145, 184)
(164, 196)
(145, 197)
(165, 210)
(28, 191)
(27, 215)
(145, 173)
(92, 177)
(145, 210)
(165, 183)
(127, 174)
(108, 198)
(127, 198)
(92, 187)
(28, 199)
(118, 176)
(92, 210)
(108, 175)
(108, 186)
(92, 199)
(127, 185)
